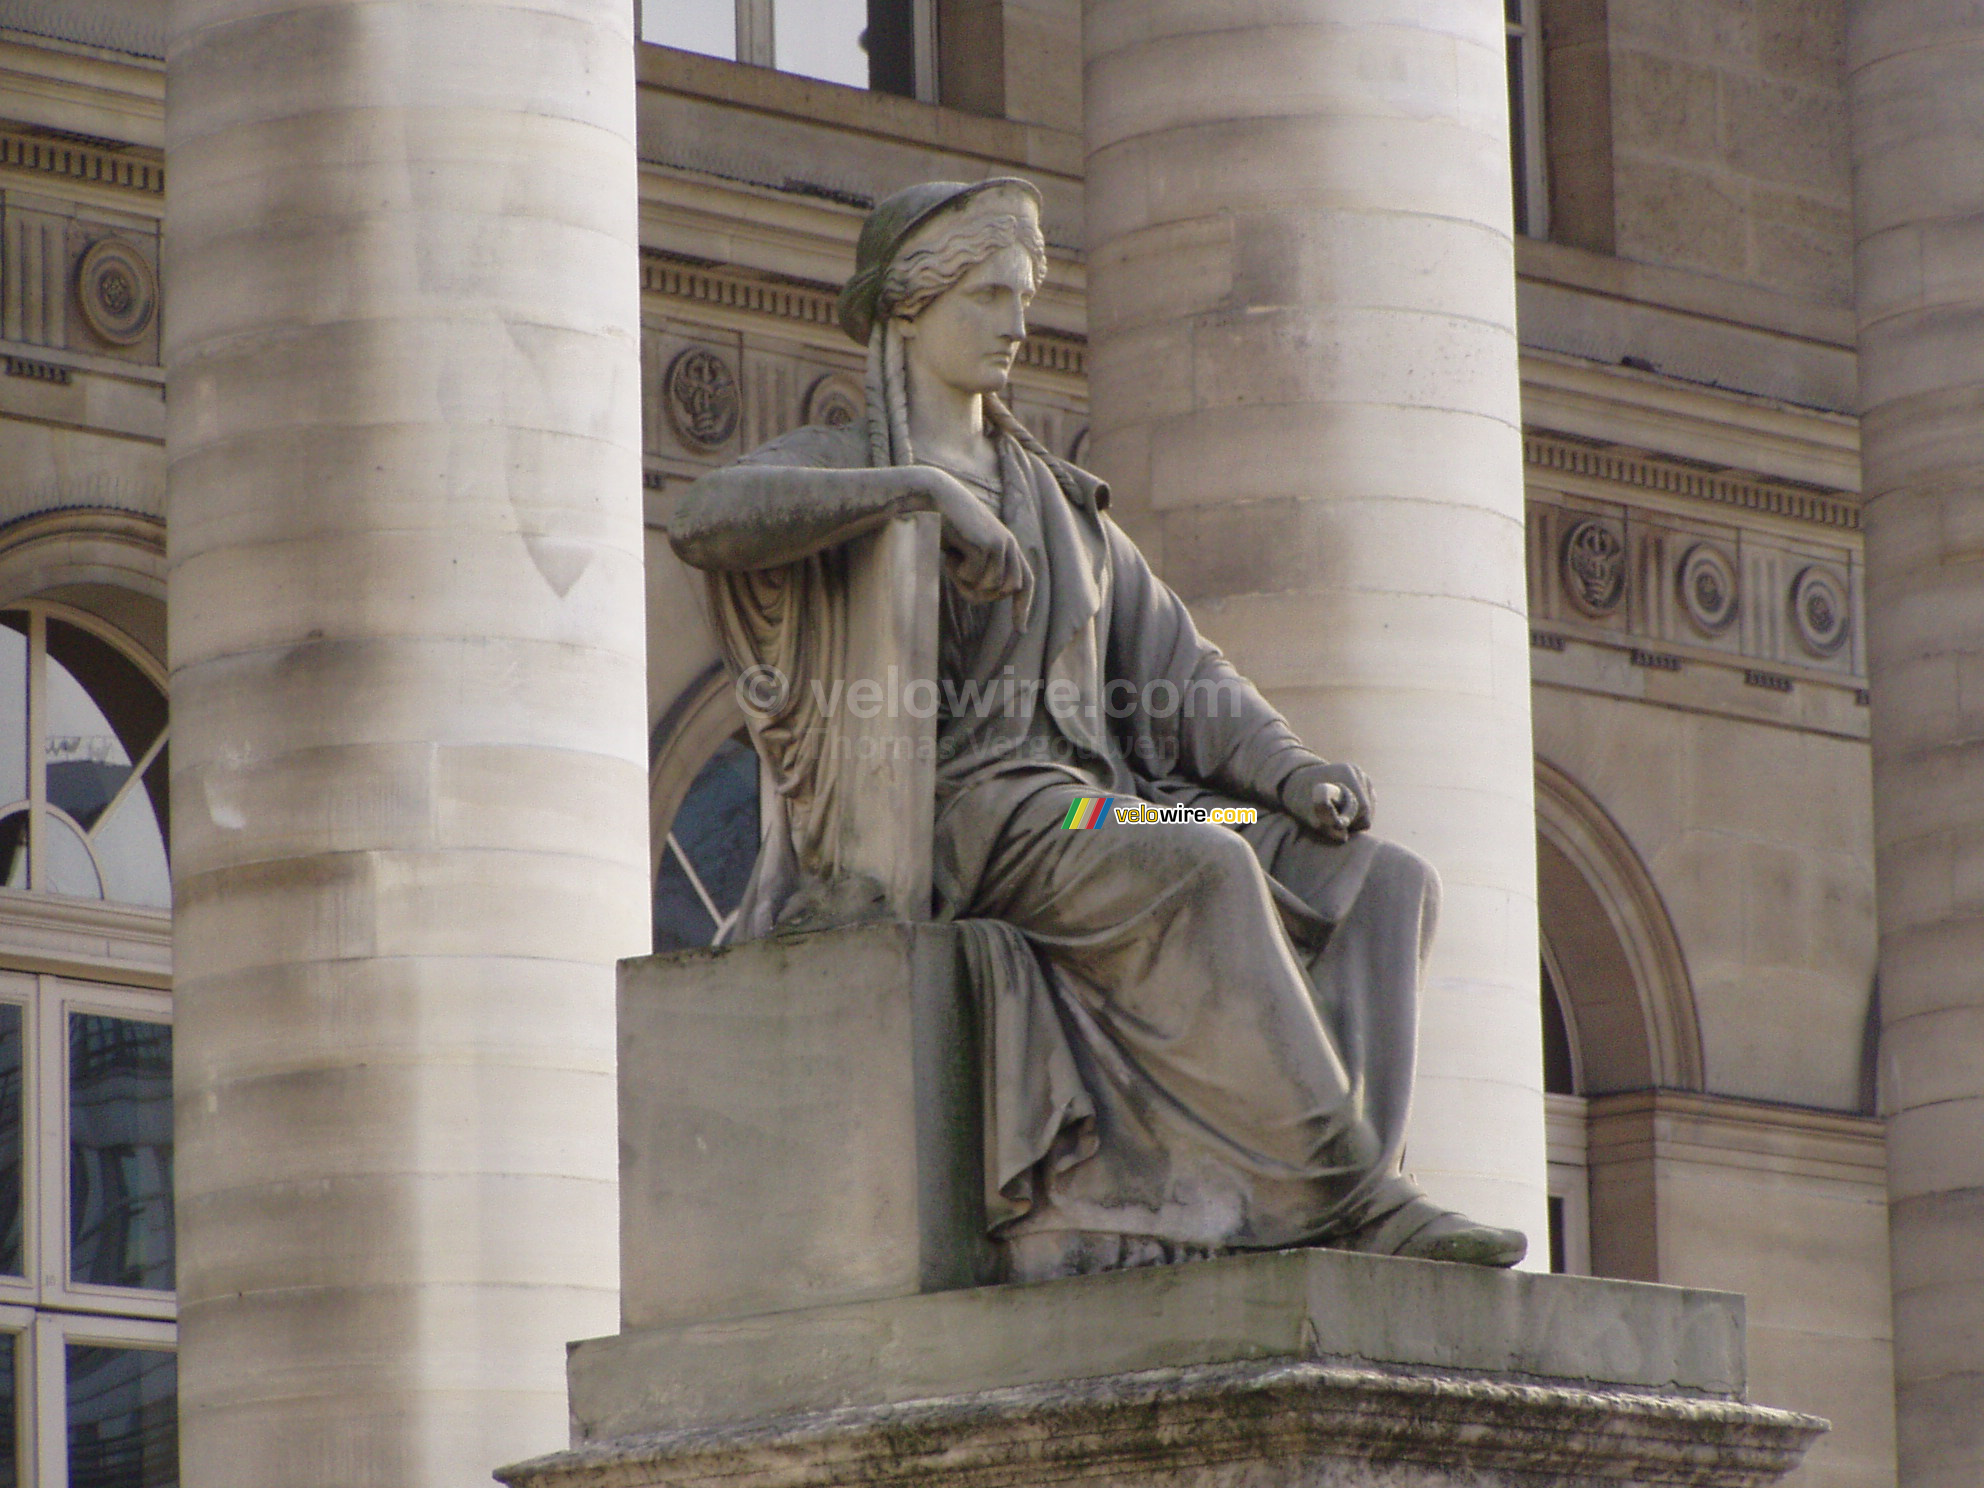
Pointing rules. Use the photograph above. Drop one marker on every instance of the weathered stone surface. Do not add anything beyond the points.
(1277, 1424)
(1297, 1303)
(798, 1125)
(1298, 256)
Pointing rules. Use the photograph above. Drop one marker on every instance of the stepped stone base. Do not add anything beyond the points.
(1303, 1369)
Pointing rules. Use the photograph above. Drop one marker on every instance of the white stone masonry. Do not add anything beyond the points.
(1304, 386)
(408, 707)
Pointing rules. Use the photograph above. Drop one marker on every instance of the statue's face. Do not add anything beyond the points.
(968, 336)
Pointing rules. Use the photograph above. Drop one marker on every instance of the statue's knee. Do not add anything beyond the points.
(1410, 874)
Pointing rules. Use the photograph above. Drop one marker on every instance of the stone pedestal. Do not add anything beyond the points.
(799, 1125)
(1292, 1368)
(803, 1258)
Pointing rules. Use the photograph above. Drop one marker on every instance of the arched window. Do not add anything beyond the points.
(83, 768)
(708, 851)
(1566, 1127)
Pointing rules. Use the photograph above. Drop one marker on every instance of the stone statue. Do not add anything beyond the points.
(1197, 1038)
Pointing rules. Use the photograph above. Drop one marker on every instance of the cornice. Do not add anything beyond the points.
(813, 304)
(83, 937)
(1573, 455)
(75, 160)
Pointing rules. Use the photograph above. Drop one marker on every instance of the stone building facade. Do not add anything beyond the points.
(1699, 693)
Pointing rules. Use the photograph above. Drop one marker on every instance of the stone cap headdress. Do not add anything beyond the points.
(914, 245)
(904, 216)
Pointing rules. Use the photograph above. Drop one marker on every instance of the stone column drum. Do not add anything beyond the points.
(408, 702)
(1304, 390)
(1917, 81)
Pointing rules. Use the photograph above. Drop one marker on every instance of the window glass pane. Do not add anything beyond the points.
(1518, 135)
(123, 1417)
(12, 1257)
(130, 851)
(706, 26)
(14, 849)
(716, 831)
(120, 1151)
(891, 47)
(13, 707)
(10, 1411)
(66, 861)
(822, 39)
(103, 714)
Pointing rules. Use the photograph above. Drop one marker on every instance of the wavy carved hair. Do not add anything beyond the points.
(918, 276)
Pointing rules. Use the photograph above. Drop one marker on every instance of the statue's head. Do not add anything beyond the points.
(927, 239)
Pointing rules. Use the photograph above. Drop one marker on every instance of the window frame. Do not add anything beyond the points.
(1529, 196)
(40, 612)
(755, 41)
(47, 1000)
(45, 1448)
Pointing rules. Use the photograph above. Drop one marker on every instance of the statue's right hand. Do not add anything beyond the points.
(981, 554)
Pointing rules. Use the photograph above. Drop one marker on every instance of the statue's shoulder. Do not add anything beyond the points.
(815, 447)
(1082, 487)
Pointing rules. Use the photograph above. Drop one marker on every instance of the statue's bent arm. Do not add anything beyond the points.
(753, 516)
(1222, 733)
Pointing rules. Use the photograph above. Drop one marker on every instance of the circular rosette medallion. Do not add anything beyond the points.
(1819, 608)
(116, 290)
(703, 398)
(1594, 566)
(835, 400)
(1707, 581)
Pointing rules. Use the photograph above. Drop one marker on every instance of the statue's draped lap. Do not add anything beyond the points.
(1195, 1038)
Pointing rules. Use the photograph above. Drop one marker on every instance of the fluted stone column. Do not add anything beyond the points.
(1304, 391)
(1917, 78)
(406, 634)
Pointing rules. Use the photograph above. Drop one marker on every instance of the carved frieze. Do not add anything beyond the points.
(1820, 610)
(1594, 566)
(1672, 590)
(116, 291)
(702, 398)
(834, 399)
(1706, 581)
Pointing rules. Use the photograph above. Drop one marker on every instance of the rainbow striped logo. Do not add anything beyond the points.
(1088, 813)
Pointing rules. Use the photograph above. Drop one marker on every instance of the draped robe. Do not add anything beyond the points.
(1194, 1038)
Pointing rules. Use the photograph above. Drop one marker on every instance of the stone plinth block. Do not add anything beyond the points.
(1283, 1424)
(1305, 1368)
(1317, 1304)
(798, 1125)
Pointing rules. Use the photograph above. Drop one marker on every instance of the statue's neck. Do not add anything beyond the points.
(947, 427)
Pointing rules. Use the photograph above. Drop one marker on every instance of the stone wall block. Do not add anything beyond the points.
(1360, 153)
(415, 902)
(325, 1375)
(1373, 453)
(555, 62)
(1410, 166)
(364, 797)
(559, 591)
(508, 691)
(536, 481)
(1395, 71)
(361, 1238)
(535, 376)
(408, 351)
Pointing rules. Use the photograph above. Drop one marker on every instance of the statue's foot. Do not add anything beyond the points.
(1423, 1231)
